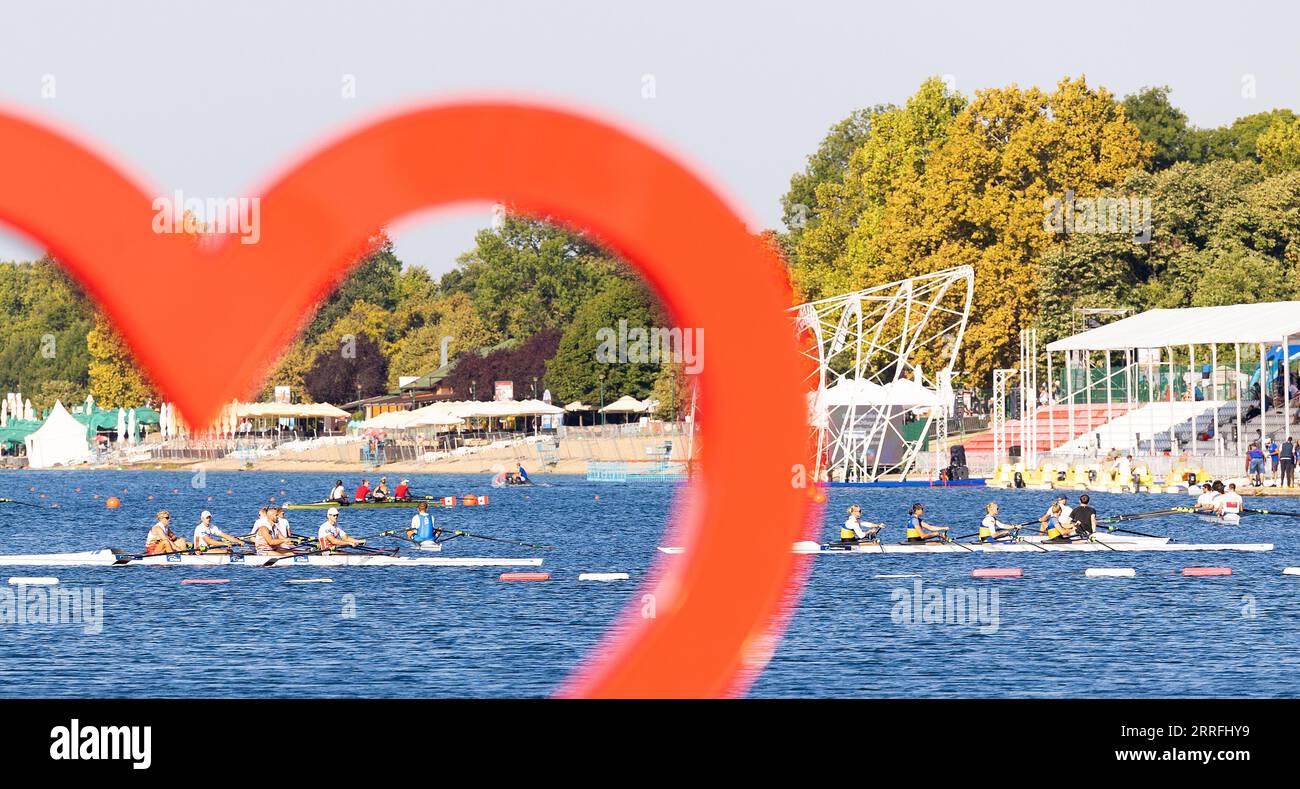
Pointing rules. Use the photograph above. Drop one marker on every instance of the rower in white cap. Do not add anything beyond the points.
(331, 534)
(208, 537)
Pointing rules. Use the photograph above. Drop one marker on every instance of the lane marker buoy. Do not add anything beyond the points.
(33, 580)
(1291, 571)
(997, 572)
(194, 581)
(525, 576)
(311, 581)
(604, 577)
(1206, 572)
(1110, 572)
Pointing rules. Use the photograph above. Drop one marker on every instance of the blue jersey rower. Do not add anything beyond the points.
(920, 531)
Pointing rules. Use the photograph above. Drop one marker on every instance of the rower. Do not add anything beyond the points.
(856, 530)
(1084, 518)
(381, 492)
(161, 538)
(1058, 517)
(403, 492)
(208, 537)
(279, 523)
(422, 529)
(265, 541)
(992, 529)
(1206, 501)
(363, 491)
(1229, 503)
(920, 531)
(338, 494)
(330, 535)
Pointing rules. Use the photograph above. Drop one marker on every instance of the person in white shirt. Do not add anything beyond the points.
(1229, 502)
(992, 529)
(212, 539)
(330, 535)
(422, 529)
(339, 493)
(1208, 500)
(857, 530)
(279, 523)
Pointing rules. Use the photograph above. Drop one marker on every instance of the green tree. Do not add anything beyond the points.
(375, 280)
(1162, 124)
(1237, 142)
(828, 164)
(115, 378)
(530, 275)
(984, 197)
(1279, 147)
(51, 391)
(575, 371)
(839, 249)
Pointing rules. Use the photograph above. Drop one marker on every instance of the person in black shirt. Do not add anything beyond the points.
(1084, 517)
(1287, 455)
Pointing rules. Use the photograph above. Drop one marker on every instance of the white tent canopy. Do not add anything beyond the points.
(1266, 323)
(627, 404)
(61, 441)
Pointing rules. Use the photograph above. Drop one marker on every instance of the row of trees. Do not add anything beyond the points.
(524, 304)
(944, 181)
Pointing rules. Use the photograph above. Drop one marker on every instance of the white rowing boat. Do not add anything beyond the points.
(108, 557)
(1222, 520)
(1102, 543)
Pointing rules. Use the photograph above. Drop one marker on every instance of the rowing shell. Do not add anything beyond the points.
(363, 505)
(106, 557)
(1225, 520)
(1132, 544)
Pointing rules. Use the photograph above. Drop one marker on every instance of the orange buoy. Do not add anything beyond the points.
(469, 501)
(112, 502)
(525, 576)
(997, 572)
(1205, 572)
(149, 497)
(817, 496)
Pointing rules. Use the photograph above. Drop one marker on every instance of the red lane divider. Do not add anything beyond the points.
(997, 572)
(525, 576)
(1205, 572)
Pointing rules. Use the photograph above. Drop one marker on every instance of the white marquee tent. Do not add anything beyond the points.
(60, 441)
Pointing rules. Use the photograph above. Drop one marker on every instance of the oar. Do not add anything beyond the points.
(23, 503)
(503, 540)
(1271, 512)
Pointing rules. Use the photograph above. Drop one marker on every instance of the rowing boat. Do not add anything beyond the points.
(364, 505)
(110, 557)
(1099, 544)
(1221, 520)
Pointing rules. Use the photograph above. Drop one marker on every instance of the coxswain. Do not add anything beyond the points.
(920, 531)
(161, 538)
(403, 492)
(992, 529)
(422, 529)
(381, 492)
(857, 530)
(208, 537)
(330, 535)
(1229, 503)
(1206, 502)
(338, 494)
(363, 491)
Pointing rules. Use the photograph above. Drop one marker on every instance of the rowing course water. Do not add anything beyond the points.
(431, 632)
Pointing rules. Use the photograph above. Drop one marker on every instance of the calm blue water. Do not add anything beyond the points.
(461, 632)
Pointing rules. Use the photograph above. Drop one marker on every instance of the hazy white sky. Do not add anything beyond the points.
(208, 97)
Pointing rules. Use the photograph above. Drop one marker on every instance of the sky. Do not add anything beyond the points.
(211, 98)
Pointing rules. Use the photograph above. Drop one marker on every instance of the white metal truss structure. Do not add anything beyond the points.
(873, 349)
(998, 415)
